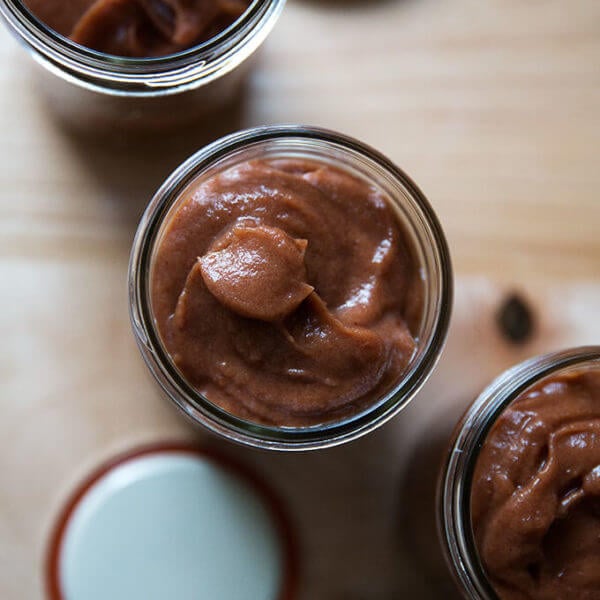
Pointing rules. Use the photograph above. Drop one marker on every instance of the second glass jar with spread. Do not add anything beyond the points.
(290, 288)
(519, 495)
(136, 66)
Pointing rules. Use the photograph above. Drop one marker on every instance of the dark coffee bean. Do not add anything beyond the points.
(515, 319)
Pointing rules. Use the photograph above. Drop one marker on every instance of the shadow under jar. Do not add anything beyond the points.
(519, 495)
(290, 288)
(100, 93)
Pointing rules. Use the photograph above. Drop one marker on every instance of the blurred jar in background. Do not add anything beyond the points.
(98, 92)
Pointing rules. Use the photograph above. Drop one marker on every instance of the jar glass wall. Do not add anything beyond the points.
(93, 90)
(416, 217)
(456, 479)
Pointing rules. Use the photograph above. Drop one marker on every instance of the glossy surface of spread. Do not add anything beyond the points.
(286, 293)
(536, 493)
(138, 28)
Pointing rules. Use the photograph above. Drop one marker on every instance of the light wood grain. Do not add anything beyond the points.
(492, 106)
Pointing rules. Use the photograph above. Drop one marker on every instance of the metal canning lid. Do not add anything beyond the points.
(171, 521)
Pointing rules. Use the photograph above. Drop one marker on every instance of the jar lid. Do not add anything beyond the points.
(171, 521)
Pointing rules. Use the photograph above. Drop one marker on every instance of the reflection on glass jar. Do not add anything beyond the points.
(95, 91)
(519, 496)
(290, 288)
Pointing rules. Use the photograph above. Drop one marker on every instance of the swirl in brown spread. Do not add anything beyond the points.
(536, 493)
(138, 28)
(282, 291)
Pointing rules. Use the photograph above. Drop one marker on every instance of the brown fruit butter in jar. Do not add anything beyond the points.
(520, 517)
(140, 66)
(287, 288)
(138, 28)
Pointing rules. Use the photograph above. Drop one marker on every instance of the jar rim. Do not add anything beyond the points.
(454, 485)
(217, 420)
(146, 77)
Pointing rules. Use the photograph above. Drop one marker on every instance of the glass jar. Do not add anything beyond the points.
(454, 490)
(414, 213)
(94, 91)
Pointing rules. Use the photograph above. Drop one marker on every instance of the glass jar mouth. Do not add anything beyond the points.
(207, 413)
(454, 486)
(153, 76)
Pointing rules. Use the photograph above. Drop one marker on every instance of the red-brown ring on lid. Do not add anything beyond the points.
(274, 505)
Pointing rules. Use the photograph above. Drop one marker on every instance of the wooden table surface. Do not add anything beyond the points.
(492, 106)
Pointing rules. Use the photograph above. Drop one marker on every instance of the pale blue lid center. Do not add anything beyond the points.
(171, 526)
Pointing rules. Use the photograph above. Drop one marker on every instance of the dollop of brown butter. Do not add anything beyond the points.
(536, 493)
(257, 272)
(280, 290)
